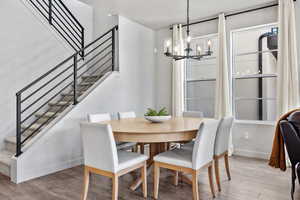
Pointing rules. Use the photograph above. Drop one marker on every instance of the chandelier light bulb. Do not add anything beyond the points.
(209, 45)
(168, 43)
(176, 49)
(198, 50)
(189, 39)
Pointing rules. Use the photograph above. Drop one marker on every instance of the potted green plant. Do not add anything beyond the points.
(157, 116)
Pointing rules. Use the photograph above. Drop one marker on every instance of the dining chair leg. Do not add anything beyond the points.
(226, 157)
(115, 187)
(195, 185)
(176, 174)
(211, 182)
(144, 178)
(217, 173)
(142, 147)
(135, 149)
(86, 182)
(168, 146)
(156, 180)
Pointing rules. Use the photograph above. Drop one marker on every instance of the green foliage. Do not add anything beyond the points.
(161, 112)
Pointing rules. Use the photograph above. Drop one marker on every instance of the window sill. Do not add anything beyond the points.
(254, 122)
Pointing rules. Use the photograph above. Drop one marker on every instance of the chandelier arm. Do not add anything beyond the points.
(188, 50)
(188, 17)
(188, 27)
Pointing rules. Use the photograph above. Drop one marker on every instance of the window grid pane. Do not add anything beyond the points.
(254, 74)
(200, 78)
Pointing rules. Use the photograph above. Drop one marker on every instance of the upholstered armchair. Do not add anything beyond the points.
(290, 130)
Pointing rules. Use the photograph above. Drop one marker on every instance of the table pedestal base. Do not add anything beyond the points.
(155, 148)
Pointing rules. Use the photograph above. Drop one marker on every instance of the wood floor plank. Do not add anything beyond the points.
(251, 180)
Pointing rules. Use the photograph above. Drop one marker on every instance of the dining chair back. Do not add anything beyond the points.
(203, 150)
(291, 135)
(99, 147)
(96, 118)
(126, 115)
(193, 114)
(223, 134)
(221, 148)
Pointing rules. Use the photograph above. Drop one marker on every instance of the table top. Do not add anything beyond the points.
(142, 126)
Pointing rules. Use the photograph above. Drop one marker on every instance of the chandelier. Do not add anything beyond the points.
(173, 52)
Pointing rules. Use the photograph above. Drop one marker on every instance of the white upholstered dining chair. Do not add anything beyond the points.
(129, 115)
(221, 147)
(96, 118)
(195, 114)
(102, 157)
(126, 115)
(190, 161)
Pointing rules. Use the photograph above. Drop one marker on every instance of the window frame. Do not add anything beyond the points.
(211, 35)
(233, 77)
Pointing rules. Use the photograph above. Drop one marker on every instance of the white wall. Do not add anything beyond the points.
(163, 90)
(249, 139)
(130, 89)
(29, 48)
(137, 65)
(102, 22)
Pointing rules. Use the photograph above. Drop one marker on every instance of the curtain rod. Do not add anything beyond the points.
(233, 14)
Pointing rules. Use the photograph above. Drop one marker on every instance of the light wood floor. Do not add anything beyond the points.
(251, 180)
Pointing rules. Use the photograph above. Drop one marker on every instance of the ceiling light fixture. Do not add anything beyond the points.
(172, 51)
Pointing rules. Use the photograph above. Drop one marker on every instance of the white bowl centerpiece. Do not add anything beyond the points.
(157, 117)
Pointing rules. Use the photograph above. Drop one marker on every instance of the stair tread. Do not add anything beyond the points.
(60, 103)
(5, 157)
(12, 139)
(34, 126)
(91, 76)
(86, 83)
(71, 94)
(48, 114)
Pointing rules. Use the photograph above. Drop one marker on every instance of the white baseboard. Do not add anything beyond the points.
(38, 172)
(251, 154)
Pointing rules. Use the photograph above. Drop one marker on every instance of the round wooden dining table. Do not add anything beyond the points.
(158, 135)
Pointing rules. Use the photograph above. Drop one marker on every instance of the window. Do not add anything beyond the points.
(254, 58)
(200, 78)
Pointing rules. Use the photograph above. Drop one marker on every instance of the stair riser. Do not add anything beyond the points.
(80, 90)
(83, 87)
(69, 98)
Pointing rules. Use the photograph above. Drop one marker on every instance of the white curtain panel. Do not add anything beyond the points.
(287, 68)
(178, 73)
(222, 100)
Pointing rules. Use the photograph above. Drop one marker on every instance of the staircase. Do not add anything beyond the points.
(62, 20)
(61, 88)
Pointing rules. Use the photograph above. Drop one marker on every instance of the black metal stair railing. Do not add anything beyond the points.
(63, 21)
(64, 79)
